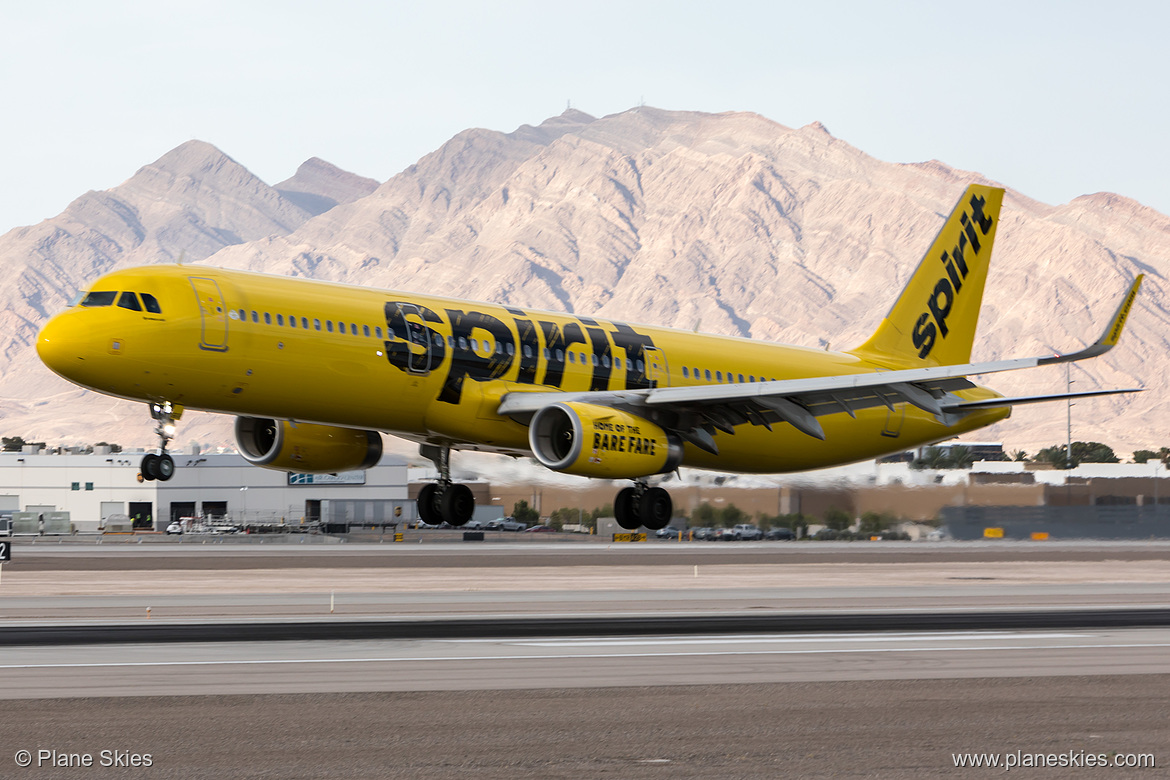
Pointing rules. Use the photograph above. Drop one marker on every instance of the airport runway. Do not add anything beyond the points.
(797, 704)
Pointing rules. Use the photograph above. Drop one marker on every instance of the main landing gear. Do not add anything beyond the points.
(162, 465)
(642, 505)
(443, 501)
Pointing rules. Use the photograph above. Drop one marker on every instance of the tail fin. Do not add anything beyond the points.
(933, 321)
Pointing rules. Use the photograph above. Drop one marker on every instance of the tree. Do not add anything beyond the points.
(567, 516)
(1143, 456)
(873, 523)
(731, 515)
(524, 513)
(703, 515)
(1082, 452)
(12, 443)
(837, 520)
(1019, 456)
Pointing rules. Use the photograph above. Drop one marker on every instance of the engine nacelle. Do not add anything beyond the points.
(310, 449)
(597, 441)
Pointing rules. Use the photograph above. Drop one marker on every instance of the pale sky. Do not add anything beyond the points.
(1054, 99)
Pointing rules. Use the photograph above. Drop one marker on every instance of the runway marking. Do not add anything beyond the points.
(773, 639)
(569, 656)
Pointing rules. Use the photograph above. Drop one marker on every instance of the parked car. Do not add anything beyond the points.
(746, 532)
(175, 528)
(671, 532)
(726, 535)
(540, 529)
(827, 533)
(506, 524)
(780, 535)
(703, 534)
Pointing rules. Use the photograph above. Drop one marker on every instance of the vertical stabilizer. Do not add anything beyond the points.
(933, 321)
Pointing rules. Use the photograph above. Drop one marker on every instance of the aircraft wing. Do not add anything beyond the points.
(700, 410)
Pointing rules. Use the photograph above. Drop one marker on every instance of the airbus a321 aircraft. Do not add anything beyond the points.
(313, 371)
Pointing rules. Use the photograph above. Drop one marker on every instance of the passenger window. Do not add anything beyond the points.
(686, 374)
(353, 328)
(462, 344)
(511, 350)
(267, 318)
(718, 376)
(707, 373)
(560, 356)
(129, 301)
(255, 317)
(151, 303)
(527, 351)
(366, 330)
(378, 335)
(280, 319)
(741, 377)
(751, 379)
(572, 357)
(617, 363)
(605, 361)
(641, 367)
(292, 322)
(329, 325)
(595, 360)
(316, 324)
(100, 299)
(547, 356)
(305, 323)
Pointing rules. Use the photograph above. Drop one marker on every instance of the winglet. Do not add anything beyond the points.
(1112, 332)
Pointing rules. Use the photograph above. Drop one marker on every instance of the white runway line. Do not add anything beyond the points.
(573, 656)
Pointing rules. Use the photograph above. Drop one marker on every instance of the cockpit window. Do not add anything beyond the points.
(151, 303)
(103, 298)
(129, 301)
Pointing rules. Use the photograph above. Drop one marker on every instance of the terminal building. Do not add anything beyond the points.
(94, 487)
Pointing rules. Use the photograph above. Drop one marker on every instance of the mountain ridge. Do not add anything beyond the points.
(729, 222)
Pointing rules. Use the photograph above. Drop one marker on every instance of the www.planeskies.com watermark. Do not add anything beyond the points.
(1069, 759)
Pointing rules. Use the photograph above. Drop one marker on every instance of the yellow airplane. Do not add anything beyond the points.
(313, 371)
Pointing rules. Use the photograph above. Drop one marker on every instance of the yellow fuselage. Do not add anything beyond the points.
(434, 369)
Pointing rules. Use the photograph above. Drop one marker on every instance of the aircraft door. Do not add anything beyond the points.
(212, 312)
(419, 337)
(656, 367)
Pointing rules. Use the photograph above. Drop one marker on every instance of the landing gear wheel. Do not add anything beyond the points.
(149, 467)
(457, 504)
(164, 469)
(625, 508)
(428, 512)
(655, 508)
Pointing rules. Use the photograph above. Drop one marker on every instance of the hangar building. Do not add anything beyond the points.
(93, 487)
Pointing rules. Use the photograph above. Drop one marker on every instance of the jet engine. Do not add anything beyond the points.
(306, 448)
(597, 441)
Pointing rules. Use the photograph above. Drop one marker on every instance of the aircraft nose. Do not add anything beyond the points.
(55, 347)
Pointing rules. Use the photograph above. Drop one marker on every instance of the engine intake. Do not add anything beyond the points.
(306, 448)
(598, 441)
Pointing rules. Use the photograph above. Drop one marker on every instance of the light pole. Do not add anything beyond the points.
(244, 490)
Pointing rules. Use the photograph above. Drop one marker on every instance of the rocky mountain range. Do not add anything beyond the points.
(728, 223)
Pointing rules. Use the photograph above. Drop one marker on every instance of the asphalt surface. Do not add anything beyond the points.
(907, 729)
(816, 705)
(423, 549)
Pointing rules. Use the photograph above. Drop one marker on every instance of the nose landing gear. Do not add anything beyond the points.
(162, 465)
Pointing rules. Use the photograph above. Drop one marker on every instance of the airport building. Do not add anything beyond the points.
(93, 487)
